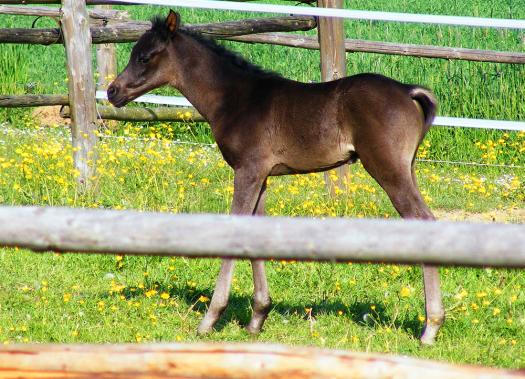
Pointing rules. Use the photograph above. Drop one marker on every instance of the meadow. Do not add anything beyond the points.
(176, 168)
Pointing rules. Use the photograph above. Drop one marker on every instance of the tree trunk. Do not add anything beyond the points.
(75, 28)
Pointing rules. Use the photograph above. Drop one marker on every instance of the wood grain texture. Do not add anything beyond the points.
(337, 239)
(132, 30)
(110, 2)
(19, 101)
(106, 58)
(96, 14)
(378, 47)
(333, 66)
(81, 88)
(143, 114)
(23, 2)
(223, 361)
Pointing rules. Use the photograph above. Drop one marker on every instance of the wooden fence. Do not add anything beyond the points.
(45, 229)
(107, 232)
(223, 361)
(80, 28)
(244, 237)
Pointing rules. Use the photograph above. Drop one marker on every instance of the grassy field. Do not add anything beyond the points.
(74, 298)
(464, 89)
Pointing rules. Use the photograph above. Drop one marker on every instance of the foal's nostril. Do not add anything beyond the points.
(112, 91)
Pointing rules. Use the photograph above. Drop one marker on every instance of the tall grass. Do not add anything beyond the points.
(99, 299)
(14, 77)
(71, 298)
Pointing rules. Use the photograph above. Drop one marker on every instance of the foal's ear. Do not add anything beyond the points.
(173, 21)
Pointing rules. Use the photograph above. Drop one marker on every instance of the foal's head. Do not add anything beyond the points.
(148, 66)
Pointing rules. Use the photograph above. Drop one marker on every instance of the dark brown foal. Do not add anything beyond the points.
(267, 125)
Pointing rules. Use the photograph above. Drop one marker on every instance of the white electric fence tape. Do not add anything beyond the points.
(337, 12)
(441, 121)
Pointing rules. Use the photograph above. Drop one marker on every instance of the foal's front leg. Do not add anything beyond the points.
(261, 295)
(247, 185)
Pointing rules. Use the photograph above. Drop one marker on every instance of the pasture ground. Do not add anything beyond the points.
(75, 298)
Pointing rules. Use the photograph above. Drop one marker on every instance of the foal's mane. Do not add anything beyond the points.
(158, 27)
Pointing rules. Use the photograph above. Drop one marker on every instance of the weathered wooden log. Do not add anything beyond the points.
(132, 30)
(109, 2)
(143, 114)
(336, 239)
(224, 361)
(19, 101)
(31, 36)
(97, 13)
(254, 26)
(106, 58)
(50, 36)
(88, 2)
(356, 45)
(81, 89)
(331, 37)
(105, 112)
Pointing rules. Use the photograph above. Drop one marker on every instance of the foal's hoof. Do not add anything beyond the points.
(431, 329)
(253, 329)
(429, 336)
(204, 328)
(256, 323)
(203, 331)
(427, 341)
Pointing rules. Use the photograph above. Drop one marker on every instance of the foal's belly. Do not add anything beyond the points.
(314, 160)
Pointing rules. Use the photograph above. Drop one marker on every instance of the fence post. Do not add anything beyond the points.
(77, 41)
(333, 66)
(106, 59)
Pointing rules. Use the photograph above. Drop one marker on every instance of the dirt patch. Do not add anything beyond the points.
(49, 116)
(515, 216)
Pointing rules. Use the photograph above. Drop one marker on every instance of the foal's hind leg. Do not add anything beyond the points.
(247, 188)
(396, 175)
(435, 313)
(261, 295)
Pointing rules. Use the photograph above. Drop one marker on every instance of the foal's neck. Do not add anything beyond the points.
(204, 78)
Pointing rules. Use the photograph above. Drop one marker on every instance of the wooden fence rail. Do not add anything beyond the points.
(20, 101)
(393, 241)
(103, 111)
(143, 114)
(223, 361)
(132, 30)
(379, 47)
(95, 14)
(107, 2)
(23, 2)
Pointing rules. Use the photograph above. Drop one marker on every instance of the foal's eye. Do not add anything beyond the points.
(144, 59)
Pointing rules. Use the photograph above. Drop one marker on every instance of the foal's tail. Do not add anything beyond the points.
(428, 102)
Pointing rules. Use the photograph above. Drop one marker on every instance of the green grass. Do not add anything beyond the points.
(69, 298)
(464, 89)
(83, 298)
(90, 298)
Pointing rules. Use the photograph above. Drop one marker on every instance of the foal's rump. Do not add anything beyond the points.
(323, 125)
(376, 92)
(384, 114)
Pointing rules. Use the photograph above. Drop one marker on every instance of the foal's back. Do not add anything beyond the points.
(319, 126)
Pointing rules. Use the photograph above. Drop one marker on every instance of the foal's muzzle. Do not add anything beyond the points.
(115, 96)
